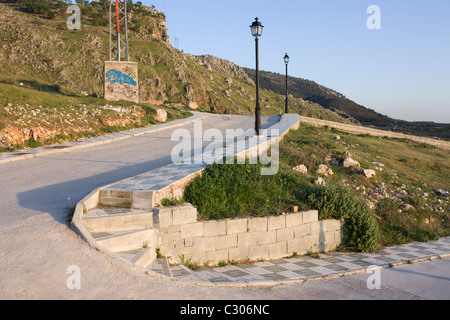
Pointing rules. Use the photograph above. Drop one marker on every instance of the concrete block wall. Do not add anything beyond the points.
(266, 238)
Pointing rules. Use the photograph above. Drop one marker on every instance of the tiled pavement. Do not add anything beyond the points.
(306, 267)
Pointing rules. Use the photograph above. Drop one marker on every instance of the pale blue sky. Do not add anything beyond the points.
(402, 70)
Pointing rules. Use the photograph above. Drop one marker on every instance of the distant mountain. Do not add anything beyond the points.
(335, 101)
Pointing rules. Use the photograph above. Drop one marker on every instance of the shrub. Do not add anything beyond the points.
(231, 190)
(361, 231)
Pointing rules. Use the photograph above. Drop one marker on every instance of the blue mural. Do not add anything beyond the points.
(114, 76)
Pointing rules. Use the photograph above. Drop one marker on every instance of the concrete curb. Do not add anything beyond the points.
(156, 128)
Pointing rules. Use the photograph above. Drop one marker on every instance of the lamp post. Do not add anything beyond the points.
(257, 29)
(286, 61)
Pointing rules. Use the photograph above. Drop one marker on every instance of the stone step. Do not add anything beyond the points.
(143, 257)
(126, 240)
(112, 220)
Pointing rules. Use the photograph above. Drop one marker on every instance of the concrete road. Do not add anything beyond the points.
(37, 247)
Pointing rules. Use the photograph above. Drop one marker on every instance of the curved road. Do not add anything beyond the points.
(37, 246)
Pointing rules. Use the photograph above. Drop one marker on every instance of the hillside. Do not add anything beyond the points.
(39, 53)
(332, 100)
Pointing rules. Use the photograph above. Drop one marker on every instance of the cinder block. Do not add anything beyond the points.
(204, 244)
(142, 200)
(215, 228)
(278, 250)
(316, 227)
(184, 214)
(257, 224)
(239, 253)
(285, 234)
(311, 243)
(188, 242)
(267, 237)
(217, 255)
(327, 237)
(294, 219)
(226, 242)
(172, 229)
(169, 237)
(162, 217)
(247, 239)
(259, 252)
(310, 216)
(275, 223)
(237, 226)
(302, 231)
(192, 230)
(294, 245)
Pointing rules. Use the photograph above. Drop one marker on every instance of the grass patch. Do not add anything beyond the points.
(233, 190)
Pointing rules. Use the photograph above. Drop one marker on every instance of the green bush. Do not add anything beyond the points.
(361, 231)
(232, 190)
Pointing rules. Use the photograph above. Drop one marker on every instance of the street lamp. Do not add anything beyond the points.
(257, 29)
(286, 61)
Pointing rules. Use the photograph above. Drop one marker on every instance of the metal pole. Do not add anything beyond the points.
(126, 30)
(258, 108)
(118, 30)
(287, 108)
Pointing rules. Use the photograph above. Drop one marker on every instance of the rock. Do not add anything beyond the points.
(441, 192)
(324, 170)
(301, 168)
(161, 115)
(349, 162)
(368, 173)
(319, 182)
(192, 105)
(337, 138)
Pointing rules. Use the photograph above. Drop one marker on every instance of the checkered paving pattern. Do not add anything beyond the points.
(308, 267)
(160, 178)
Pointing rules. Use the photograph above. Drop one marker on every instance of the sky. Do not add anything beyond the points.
(401, 70)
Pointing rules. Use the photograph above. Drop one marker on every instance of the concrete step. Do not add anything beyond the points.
(126, 240)
(113, 220)
(161, 266)
(142, 257)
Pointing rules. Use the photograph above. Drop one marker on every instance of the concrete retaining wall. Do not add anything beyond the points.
(253, 239)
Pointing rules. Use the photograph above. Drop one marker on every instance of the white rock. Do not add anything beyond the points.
(349, 162)
(324, 170)
(301, 168)
(161, 115)
(368, 173)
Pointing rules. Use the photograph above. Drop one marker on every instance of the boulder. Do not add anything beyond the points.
(368, 173)
(192, 105)
(301, 168)
(324, 170)
(161, 115)
(349, 162)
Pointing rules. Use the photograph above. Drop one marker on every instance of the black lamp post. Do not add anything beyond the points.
(286, 61)
(257, 29)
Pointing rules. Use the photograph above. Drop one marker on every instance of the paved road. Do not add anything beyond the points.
(37, 246)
